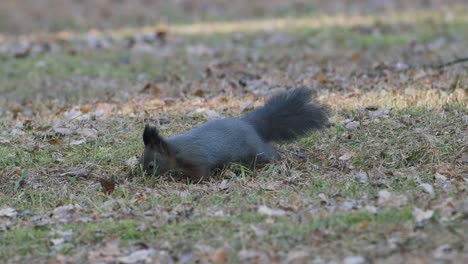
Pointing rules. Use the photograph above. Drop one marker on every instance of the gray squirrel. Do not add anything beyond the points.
(285, 117)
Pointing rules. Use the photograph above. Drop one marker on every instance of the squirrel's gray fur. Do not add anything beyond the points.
(284, 117)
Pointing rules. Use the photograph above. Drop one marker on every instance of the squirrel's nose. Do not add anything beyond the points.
(151, 165)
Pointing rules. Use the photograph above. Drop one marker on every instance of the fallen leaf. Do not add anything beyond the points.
(361, 177)
(63, 131)
(355, 260)
(427, 188)
(406, 119)
(107, 185)
(379, 114)
(57, 242)
(421, 215)
(4, 141)
(353, 125)
(447, 208)
(132, 162)
(185, 257)
(258, 230)
(138, 256)
(77, 142)
(151, 88)
(439, 177)
(63, 211)
(88, 133)
(107, 252)
(270, 212)
(297, 256)
(246, 106)
(371, 209)
(22, 50)
(223, 185)
(389, 199)
(384, 196)
(372, 108)
(323, 199)
(219, 256)
(346, 156)
(8, 212)
(82, 172)
(443, 252)
(211, 115)
(199, 93)
(252, 256)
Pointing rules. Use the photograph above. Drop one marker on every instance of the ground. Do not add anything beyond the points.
(386, 182)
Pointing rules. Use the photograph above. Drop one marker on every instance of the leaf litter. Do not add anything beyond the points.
(388, 119)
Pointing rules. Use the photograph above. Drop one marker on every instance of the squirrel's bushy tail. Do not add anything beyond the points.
(287, 115)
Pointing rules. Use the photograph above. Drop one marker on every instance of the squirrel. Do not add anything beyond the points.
(285, 117)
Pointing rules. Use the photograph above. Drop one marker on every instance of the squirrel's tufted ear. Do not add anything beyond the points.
(151, 135)
(152, 138)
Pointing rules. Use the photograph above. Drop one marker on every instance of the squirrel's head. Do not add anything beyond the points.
(157, 157)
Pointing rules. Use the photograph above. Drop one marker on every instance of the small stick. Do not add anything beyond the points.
(450, 63)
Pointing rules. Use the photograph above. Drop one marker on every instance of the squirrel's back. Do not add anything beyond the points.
(220, 141)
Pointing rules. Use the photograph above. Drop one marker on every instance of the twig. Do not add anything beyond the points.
(450, 63)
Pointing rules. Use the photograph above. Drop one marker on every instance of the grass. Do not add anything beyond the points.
(327, 212)
(198, 228)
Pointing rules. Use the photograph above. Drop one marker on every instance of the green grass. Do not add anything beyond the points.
(36, 240)
(22, 79)
(395, 152)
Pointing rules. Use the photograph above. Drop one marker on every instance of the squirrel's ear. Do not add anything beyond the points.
(152, 138)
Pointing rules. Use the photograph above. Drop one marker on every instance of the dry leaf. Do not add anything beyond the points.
(4, 141)
(88, 133)
(57, 242)
(323, 199)
(63, 211)
(246, 106)
(223, 185)
(107, 185)
(372, 108)
(389, 199)
(219, 256)
(379, 114)
(444, 251)
(212, 115)
(199, 93)
(427, 188)
(8, 212)
(421, 215)
(83, 172)
(132, 162)
(447, 208)
(346, 156)
(185, 257)
(439, 177)
(361, 177)
(138, 256)
(258, 230)
(252, 256)
(63, 131)
(107, 252)
(297, 256)
(355, 260)
(353, 125)
(270, 212)
(77, 142)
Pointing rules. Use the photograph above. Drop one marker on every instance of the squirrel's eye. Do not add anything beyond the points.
(151, 165)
